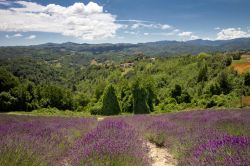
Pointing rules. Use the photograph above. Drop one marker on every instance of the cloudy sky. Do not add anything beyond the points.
(126, 21)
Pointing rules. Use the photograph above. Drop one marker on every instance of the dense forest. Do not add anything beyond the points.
(134, 83)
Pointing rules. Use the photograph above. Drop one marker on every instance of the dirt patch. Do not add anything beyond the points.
(100, 118)
(241, 67)
(246, 100)
(160, 156)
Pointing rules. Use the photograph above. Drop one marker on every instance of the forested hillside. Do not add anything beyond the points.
(79, 82)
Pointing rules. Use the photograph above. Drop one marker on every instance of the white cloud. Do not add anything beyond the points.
(151, 25)
(146, 34)
(79, 20)
(176, 30)
(185, 34)
(232, 33)
(217, 28)
(136, 21)
(142, 25)
(13, 36)
(17, 35)
(131, 32)
(165, 26)
(194, 37)
(31, 37)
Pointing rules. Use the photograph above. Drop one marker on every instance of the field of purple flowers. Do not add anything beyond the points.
(194, 138)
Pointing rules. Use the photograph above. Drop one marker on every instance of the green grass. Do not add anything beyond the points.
(235, 129)
(52, 112)
(19, 156)
(240, 61)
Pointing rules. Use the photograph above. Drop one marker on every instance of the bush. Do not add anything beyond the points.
(95, 110)
(7, 80)
(228, 61)
(184, 98)
(210, 103)
(176, 91)
(7, 102)
(213, 89)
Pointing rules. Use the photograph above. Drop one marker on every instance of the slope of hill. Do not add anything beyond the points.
(113, 52)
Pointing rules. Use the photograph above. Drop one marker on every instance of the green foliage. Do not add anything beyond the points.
(7, 80)
(46, 79)
(7, 102)
(203, 73)
(214, 89)
(140, 105)
(247, 79)
(176, 92)
(26, 97)
(110, 103)
(228, 61)
(55, 96)
(184, 98)
(236, 55)
(96, 109)
(224, 82)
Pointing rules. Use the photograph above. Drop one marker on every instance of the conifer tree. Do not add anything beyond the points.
(140, 105)
(110, 103)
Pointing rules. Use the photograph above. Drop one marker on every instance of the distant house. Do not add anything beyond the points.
(126, 65)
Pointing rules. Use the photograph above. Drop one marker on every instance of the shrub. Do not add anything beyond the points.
(96, 109)
(210, 103)
(7, 80)
(7, 102)
(184, 98)
(176, 91)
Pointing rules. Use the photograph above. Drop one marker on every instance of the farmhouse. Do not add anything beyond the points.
(126, 65)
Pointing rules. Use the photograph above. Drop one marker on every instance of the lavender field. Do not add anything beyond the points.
(193, 138)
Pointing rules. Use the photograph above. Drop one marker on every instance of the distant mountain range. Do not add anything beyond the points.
(160, 48)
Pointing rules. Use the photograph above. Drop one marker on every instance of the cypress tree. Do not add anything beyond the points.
(110, 103)
(140, 105)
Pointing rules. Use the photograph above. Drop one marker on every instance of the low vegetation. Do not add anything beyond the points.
(194, 138)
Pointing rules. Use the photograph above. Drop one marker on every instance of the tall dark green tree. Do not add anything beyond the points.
(110, 103)
(247, 79)
(203, 74)
(140, 105)
(224, 82)
(150, 90)
(176, 92)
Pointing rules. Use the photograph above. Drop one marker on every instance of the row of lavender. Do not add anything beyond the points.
(200, 137)
(28, 140)
(38, 141)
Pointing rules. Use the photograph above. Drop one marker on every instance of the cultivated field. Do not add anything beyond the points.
(242, 65)
(188, 138)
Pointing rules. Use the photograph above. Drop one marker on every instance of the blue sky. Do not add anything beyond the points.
(121, 21)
